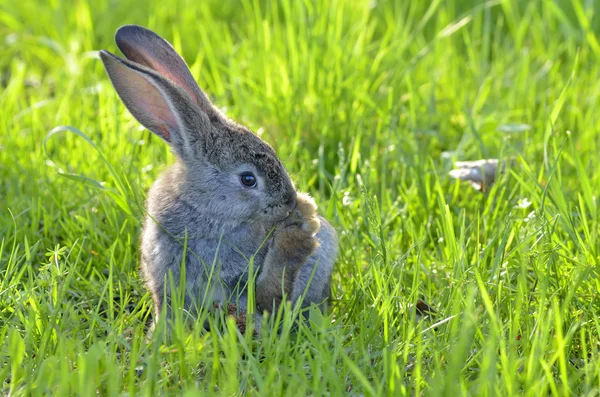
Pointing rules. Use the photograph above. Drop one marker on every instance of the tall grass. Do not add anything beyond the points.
(367, 103)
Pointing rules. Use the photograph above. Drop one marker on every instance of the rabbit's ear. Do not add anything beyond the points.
(145, 47)
(154, 101)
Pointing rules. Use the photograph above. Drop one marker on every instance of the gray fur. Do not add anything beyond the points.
(199, 200)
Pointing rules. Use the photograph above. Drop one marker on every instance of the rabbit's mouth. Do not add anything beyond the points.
(291, 210)
(284, 215)
(277, 213)
(280, 211)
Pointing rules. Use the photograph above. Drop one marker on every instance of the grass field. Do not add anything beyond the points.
(368, 104)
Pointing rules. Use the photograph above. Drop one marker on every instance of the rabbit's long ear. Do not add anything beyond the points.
(145, 47)
(154, 101)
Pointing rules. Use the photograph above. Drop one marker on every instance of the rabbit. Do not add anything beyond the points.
(226, 199)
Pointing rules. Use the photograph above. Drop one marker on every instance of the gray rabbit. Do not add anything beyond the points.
(227, 198)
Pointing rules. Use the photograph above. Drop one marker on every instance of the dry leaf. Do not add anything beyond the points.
(239, 317)
(481, 174)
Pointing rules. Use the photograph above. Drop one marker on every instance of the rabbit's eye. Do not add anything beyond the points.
(248, 179)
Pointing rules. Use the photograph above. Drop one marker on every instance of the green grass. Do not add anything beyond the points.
(360, 99)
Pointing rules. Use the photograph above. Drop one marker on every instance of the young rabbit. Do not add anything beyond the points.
(226, 198)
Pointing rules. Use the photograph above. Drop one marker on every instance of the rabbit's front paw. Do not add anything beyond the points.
(306, 213)
(295, 237)
(295, 244)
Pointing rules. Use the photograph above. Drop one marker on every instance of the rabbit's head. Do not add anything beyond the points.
(227, 170)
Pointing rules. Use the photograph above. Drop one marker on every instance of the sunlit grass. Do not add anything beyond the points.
(367, 103)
